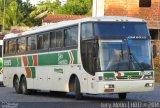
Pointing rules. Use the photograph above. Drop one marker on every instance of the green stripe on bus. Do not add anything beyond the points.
(108, 74)
(13, 62)
(30, 61)
(75, 56)
(33, 72)
(60, 58)
(132, 74)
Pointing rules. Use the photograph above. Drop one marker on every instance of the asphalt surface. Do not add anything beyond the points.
(43, 99)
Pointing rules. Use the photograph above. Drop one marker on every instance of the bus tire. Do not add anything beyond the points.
(23, 86)
(16, 85)
(122, 95)
(77, 89)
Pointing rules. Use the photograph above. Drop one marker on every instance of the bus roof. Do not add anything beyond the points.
(74, 22)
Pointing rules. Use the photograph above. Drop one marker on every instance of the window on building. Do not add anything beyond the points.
(144, 3)
(154, 34)
(21, 45)
(71, 36)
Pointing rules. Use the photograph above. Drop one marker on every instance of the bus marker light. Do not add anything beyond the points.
(149, 85)
(100, 77)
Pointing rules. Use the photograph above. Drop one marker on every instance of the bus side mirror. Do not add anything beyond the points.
(154, 51)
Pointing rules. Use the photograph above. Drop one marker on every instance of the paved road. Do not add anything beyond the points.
(45, 99)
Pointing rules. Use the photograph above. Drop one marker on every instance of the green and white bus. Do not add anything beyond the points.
(99, 55)
(1, 62)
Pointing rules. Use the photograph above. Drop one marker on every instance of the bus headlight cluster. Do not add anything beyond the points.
(108, 86)
(148, 77)
(109, 78)
(149, 85)
(100, 78)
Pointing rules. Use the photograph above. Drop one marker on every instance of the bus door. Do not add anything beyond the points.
(91, 64)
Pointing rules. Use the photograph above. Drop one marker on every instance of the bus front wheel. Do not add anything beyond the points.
(77, 89)
(122, 95)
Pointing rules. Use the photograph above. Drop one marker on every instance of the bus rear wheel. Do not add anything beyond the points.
(23, 86)
(77, 89)
(16, 85)
(122, 95)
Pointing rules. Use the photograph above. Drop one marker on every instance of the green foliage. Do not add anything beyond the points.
(16, 13)
(25, 9)
(76, 7)
(19, 13)
(45, 6)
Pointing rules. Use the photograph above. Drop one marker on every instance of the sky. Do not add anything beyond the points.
(34, 2)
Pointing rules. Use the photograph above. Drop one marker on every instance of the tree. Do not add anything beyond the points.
(76, 7)
(46, 6)
(16, 13)
(25, 9)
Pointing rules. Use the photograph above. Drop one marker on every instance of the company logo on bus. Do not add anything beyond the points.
(7, 62)
(137, 37)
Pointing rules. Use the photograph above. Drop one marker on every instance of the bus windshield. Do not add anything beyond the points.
(120, 29)
(131, 55)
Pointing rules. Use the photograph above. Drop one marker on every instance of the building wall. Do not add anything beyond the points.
(131, 8)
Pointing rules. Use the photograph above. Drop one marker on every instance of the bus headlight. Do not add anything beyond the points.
(148, 77)
(149, 85)
(108, 86)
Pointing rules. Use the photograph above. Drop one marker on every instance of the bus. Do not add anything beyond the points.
(1, 62)
(97, 55)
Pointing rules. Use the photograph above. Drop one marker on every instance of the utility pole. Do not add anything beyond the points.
(4, 4)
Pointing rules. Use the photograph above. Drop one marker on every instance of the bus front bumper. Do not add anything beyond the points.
(124, 86)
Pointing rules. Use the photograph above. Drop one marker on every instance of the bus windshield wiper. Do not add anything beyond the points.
(120, 56)
(132, 57)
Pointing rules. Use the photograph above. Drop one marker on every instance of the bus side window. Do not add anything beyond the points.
(40, 42)
(33, 42)
(12, 46)
(6, 47)
(0, 50)
(52, 39)
(59, 40)
(67, 37)
(74, 35)
(71, 36)
(87, 31)
(21, 45)
(28, 44)
(43, 41)
(46, 41)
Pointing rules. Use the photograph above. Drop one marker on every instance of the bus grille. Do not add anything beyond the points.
(128, 77)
